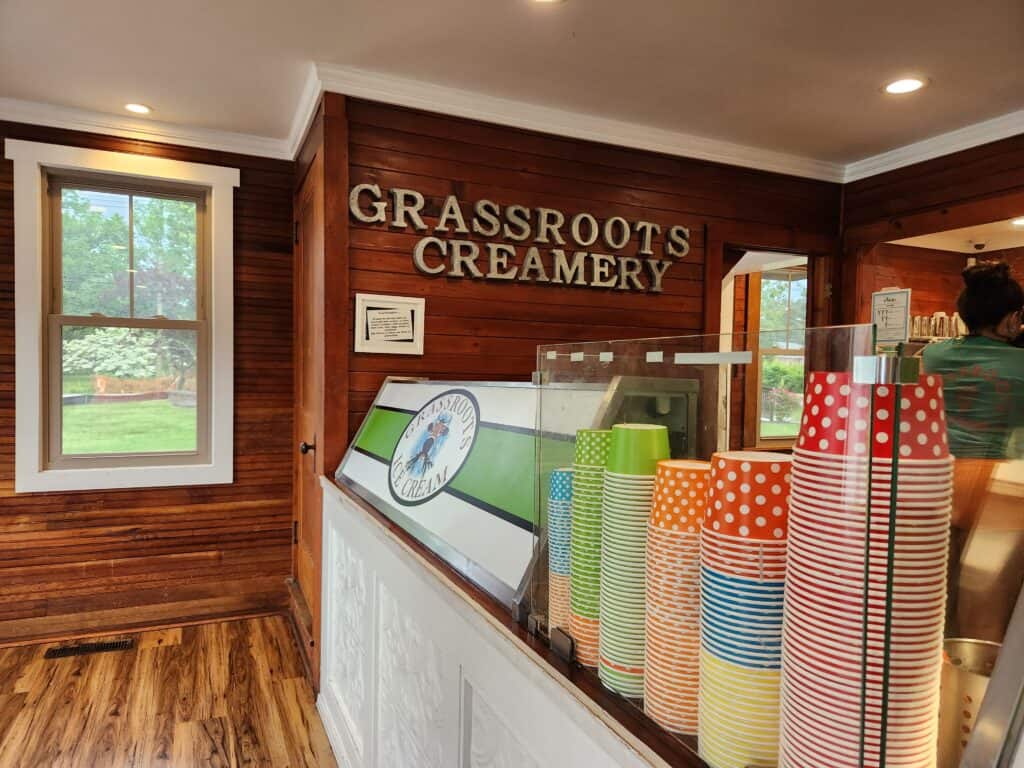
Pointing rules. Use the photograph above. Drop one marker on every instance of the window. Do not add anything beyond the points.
(779, 299)
(127, 358)
(123, 288)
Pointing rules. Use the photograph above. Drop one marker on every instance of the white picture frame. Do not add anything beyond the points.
(389, 325)
(890, 312)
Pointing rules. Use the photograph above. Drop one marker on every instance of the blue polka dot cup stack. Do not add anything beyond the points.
(743, 551)
(559, 534)
(591, 455)
(866, 583)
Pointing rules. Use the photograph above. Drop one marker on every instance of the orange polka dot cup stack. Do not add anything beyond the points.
(673, 594)
(743, 559)
(745, 522)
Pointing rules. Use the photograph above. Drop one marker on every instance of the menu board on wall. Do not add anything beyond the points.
(455, 464)
(890, 312)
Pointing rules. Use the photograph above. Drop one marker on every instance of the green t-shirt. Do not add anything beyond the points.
(983, 381)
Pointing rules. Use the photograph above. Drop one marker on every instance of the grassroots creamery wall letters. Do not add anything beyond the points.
(556, 251)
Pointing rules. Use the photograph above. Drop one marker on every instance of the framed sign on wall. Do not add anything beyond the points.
(389, 324)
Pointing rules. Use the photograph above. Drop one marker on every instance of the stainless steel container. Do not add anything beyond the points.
(966, 669)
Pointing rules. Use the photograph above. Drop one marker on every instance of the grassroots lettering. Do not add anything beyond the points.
(545, 246)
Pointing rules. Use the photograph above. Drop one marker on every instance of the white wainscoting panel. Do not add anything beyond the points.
(416, 675)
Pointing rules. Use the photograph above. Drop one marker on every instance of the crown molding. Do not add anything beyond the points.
(1002, 127)
(519, 114)
(477, 106)
(36, 113)
(305, 111)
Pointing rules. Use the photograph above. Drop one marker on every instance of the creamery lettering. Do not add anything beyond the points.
(541, 245)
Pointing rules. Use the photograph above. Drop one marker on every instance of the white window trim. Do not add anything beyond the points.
(31, 159)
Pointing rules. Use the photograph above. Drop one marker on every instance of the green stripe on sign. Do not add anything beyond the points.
(500, 471)
(381, 431)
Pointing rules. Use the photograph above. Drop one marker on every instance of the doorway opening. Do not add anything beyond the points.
(766, 300)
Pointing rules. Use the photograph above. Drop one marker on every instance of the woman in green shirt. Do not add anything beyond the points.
(983, 373)
(983, 380)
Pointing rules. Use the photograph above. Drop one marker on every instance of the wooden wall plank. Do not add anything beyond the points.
(975, 186)
(933, 276)
(72, 562)
(479, 329)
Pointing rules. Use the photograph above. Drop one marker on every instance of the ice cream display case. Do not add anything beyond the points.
(845, 601)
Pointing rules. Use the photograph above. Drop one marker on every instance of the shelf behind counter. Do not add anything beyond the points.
(421, 668)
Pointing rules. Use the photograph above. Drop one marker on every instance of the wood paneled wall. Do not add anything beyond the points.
(1012, 256)
(490, 330)
(967, 188)
(98, 561)
(987, 172)
(933, 276)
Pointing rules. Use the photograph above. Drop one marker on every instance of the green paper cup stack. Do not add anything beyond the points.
(592, 446)
(633, 459)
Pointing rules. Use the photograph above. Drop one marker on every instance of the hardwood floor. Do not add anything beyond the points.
(218, 695)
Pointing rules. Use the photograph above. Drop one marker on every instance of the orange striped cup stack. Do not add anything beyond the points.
(671, 676)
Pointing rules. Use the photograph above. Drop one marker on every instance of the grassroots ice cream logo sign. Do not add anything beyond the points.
(541, 245)
(433, 447)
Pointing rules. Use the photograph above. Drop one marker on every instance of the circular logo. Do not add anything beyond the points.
(433, 447)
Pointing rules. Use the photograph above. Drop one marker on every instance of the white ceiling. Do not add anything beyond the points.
(791, 84)
(994, 236)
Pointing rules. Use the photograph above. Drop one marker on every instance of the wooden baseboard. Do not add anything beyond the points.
(302, 626)
(232, 600)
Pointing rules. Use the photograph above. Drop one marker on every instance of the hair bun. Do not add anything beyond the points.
(986, 274)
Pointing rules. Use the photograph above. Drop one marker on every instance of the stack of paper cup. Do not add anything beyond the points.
(559, 532)
(866, 587)
(633, 458)
(592, 446)
(672, 663)
(743, 566)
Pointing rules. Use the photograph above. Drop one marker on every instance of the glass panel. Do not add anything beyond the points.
(855, 622)
(94, 253)
(782, 386)
(983, 410)
(165, 257)
(128, 390)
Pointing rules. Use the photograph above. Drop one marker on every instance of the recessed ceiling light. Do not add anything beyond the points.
(1019, 222)
(548, 2)
(905, 85)
(138, 109)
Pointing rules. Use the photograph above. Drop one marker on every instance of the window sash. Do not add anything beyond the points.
(56, 184)
(54, 457)
(752, 436)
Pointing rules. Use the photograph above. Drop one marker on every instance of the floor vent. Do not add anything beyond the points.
(83, 649)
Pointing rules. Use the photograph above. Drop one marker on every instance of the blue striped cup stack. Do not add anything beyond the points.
(743, 567)
(559, 534)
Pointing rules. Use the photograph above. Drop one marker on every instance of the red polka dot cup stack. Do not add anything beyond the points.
(866, 582)
(671, 675)
(743, 564)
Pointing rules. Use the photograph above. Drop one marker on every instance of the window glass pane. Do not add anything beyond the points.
(165, 257)
(798, 301)
(782, 386)
(128, 390)
(774, 304)
(94, 253)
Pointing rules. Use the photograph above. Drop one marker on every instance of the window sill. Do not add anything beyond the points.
(112, 478)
